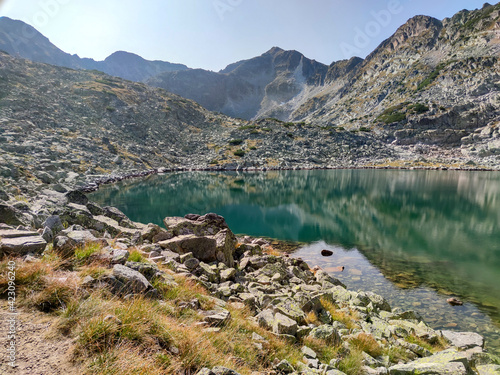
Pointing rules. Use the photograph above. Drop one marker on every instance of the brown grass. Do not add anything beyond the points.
(366, 343)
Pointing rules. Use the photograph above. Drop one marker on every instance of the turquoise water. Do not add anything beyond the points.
(416, 237)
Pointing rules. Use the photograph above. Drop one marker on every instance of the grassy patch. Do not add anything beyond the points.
(240, 153)
(366, 343)
(352, 363)
(393, 114)
(136, 256)
(348, 318)
(87, 253)
(434, 74)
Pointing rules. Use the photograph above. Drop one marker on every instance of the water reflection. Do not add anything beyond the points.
(420, 229)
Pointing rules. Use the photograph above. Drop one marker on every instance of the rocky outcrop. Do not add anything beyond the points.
(20, 242)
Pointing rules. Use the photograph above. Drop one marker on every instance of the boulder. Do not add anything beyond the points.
(203, 248)
(464, 340)
(54, 223)
(283, 325)
(134, 282)
(10, 215)
(291, 309)
(326, 332)
(225, 246)
(488, 369)
(76, 196)
(64, 246)
(19, 243)
(218, 319)
(206, 225)
(412, 368)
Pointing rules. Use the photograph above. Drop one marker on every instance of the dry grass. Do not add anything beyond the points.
(348, 318)
(366, 343)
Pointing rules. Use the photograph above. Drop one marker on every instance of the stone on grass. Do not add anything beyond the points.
(19, 243)
(326, 332)
(218, 319)
(134, 281)
(283, 325)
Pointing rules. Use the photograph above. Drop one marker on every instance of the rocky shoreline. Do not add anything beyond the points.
(286, 296)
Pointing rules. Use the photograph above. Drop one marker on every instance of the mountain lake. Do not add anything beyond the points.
(415, 237)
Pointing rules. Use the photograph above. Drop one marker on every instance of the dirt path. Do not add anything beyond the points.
(35, 353)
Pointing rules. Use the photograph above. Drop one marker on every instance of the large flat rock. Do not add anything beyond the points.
(18, 243)
(203, 248)
(453, 368)
(464, 340)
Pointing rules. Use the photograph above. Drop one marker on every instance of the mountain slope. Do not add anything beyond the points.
(20, 39)
(433, 83)
(271, 85)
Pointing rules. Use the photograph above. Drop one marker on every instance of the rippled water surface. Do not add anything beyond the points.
(415, 237)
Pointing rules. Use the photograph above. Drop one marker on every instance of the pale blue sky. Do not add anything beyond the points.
(211, 34)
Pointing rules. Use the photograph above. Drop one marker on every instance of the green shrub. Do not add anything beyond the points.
(239, 153)
(236, 142)
(434, 74)
(420, 108)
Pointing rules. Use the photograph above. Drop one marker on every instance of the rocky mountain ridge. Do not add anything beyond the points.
(20, 39)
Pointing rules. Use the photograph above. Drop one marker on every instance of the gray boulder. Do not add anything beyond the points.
(206, 225)
(134, 282)
(283, 325)
(326, 332)
(453, 368)
(19, 243)
(464, 340)
(203, 248)
(54, 224)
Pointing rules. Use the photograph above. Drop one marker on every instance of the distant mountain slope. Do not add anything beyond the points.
(271, 85)
(20, 39)
(432, 82)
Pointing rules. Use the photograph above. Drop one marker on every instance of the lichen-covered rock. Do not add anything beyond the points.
(290, 308)
(488, 370)
(326, 332)
(265, 319)
(283, 325)
(225, 247)
(412, 368)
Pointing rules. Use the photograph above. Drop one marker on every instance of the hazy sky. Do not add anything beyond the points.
(211, 34)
